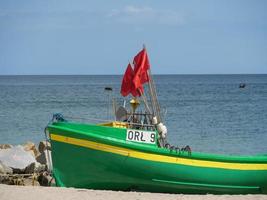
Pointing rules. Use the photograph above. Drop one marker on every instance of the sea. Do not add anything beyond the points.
(210, 113)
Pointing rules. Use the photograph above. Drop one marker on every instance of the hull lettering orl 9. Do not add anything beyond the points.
(141, 136)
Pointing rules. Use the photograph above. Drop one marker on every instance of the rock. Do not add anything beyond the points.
(30, 168)
(16, 157)
(11, 180)
(40, 167)
(30, 146)
(16, 181)
(45, 179)
(18, 170)
(44, 145)
(5, 146)
(5, 169)
(4, 179)
(30, 182)
(45, 158)
(34, 167)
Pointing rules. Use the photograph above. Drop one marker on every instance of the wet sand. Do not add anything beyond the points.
(8, 192)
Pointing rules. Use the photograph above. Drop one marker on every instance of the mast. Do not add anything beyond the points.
(153, 94)
(156, 109)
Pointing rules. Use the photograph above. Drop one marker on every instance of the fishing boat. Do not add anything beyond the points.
(132, 153)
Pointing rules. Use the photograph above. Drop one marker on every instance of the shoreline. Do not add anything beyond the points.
(42, 193)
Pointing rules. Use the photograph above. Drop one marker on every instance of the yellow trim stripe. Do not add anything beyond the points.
(155, 157)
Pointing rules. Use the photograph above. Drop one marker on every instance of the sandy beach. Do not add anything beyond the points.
(43, 193)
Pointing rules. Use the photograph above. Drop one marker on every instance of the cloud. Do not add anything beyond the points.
(146, 15)
(137, 16)
(49, 19)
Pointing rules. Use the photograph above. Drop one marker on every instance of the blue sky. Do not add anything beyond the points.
(100, 37)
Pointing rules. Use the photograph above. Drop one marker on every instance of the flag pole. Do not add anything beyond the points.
(153, 94)
(155, 105)
(150, 90)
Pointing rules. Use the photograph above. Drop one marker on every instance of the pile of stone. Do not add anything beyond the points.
(25, 164)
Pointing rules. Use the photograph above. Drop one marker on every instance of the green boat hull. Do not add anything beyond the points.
(98, 157)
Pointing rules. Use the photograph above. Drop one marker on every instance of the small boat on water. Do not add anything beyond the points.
(242, 85)
(132, 152)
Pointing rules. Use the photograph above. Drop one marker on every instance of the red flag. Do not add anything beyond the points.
(141, 65)
(127, 81)
(127, 85)
(141, 60)
(133, 80)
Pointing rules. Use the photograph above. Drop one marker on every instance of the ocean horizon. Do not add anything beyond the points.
(159, 74)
